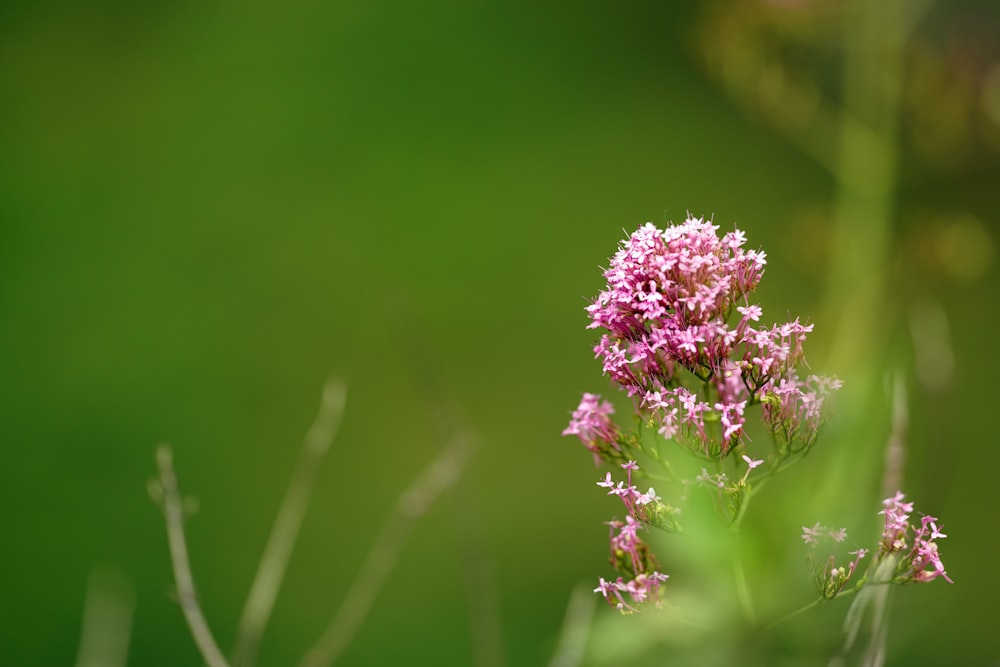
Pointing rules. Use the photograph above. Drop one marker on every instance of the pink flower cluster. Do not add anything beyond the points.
(629, 554)
(592, 423)
(918, 548)
(914, 550)
(816, 532)
(793, 409)
(642, 588)
(643, 506)
(665, 308)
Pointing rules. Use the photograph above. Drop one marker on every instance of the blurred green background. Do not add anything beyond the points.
(206, 208)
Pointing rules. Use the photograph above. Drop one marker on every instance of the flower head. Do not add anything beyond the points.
(665, 310)
(917, 548)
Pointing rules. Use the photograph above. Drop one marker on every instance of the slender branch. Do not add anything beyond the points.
(801, 610)
(412, 504)
(274, 562)
(188, 598)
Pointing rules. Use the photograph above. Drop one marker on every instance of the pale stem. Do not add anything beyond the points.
(895, 446)
(742, 585)
(789, 616)
(186, 595)
(274, 561)
(481, 592)
(892, 480)
(412, 504)
(801, 610)
(107, 620)
(576, 628)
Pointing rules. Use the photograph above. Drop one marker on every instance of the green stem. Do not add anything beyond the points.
(742, 586)
(801, 610)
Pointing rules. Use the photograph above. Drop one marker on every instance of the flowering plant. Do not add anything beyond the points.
(682, 338)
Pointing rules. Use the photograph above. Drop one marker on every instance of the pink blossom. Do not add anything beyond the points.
(630, 555)
(592, 424)
(664, 310)
(810, 535)
(916, 547)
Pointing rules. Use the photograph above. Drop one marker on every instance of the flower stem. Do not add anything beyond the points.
(742, 586)
(791, 615)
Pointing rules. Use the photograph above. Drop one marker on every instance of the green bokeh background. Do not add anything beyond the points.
(205, 209)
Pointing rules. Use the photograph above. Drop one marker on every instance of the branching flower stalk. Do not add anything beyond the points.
(683, 340)
(904, 554)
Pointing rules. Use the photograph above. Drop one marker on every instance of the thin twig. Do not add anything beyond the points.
(274, 562)
(412, 504)
(188, 598)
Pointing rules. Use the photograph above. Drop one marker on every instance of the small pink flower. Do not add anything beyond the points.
(810, 535)
(917, 547)
(592, 424)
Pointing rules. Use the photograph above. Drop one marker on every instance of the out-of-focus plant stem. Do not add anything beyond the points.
(875, 34)
(274, 562)
(173, 510)
(742, 585)
(412, 504)
(866, 170)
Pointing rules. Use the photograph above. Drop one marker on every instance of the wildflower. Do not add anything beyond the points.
(810, 535)
(793, 409)
(592, 424)
(916, 548)
(632, 557)
(646, 507)
(664, 310)
(751, 464)
(642, 588)
(910, 553)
